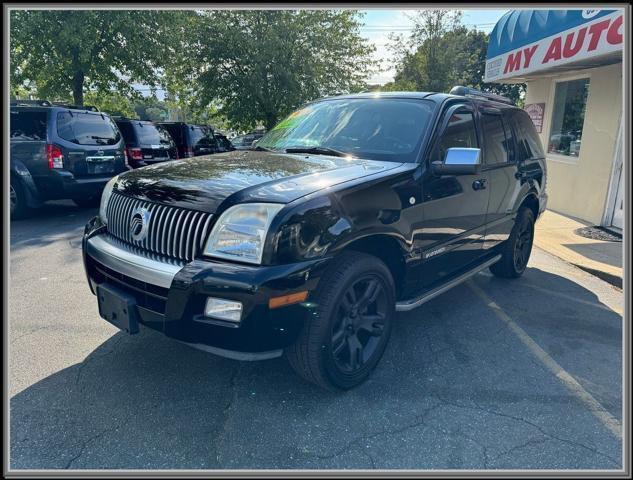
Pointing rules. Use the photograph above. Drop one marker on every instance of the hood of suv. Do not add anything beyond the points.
(202, 183)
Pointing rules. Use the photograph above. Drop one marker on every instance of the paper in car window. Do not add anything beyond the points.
(292, 119)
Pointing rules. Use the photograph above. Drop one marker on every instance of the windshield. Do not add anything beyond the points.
(87, 128)
(374, 128)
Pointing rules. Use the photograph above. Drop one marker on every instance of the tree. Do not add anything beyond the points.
(442, 53)
(64, 52)
(262, 64)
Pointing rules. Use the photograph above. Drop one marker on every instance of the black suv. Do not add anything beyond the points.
(145, 142)
(192, 140)
(223, 143)
(352, 209)
(60, 152)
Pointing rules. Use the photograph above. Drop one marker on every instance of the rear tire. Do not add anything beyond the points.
(515, 251)
(347, 332)
(88, 202)
(18, 208)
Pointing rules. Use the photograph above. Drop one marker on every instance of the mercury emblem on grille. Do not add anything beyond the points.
(139, 223)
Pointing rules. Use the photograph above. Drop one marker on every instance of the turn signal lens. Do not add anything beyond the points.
(298, 297)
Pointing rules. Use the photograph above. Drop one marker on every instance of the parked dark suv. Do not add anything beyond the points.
(60, 152)
(223, 143)
(191, 140)
(145, 142)
(352, 209)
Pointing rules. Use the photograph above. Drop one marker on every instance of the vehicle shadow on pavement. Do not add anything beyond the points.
(48, 224)
(455, 389)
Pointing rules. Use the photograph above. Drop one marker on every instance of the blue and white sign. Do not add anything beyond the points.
(526, 41)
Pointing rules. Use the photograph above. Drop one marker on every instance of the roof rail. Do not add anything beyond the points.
(30, 103)
(473, 92)
(90, 108)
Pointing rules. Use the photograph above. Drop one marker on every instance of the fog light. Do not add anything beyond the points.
(223, 309)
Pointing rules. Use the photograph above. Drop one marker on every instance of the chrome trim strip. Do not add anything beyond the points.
(407, 305)
(136, 266)
(235, 355)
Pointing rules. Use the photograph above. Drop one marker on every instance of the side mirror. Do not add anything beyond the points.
(459, 161)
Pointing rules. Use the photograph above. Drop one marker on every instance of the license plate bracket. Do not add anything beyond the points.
(97, 165)
(118, 308)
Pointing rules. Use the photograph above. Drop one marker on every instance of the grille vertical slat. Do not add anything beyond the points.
(189, 239)
(172, 232)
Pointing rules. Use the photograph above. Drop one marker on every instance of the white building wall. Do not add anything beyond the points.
(578, 186)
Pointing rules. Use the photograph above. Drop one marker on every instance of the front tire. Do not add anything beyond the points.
(515, 252)
(347, 333)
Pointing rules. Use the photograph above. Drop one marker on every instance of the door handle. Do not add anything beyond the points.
(479, 184)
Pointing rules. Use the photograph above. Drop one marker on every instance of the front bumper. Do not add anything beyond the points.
(171, 296)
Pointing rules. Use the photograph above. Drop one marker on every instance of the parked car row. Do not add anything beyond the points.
(61, 151)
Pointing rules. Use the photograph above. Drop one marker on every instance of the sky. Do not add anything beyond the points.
(378, 23)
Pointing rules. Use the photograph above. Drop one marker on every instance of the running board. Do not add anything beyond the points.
(407, 305)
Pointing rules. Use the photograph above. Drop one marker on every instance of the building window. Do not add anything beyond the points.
(570, 102)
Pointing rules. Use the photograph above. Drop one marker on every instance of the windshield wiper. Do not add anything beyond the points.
(262, 149)
(317, 151)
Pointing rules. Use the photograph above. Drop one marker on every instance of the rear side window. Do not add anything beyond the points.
(175, 131)
(87, 128)
(528, 143)
(28, 125)
(127, 131)
(495, 142)
(165, 137)
(459, 133)
(149, 134)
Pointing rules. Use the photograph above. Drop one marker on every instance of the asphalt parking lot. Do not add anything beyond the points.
(492, 374)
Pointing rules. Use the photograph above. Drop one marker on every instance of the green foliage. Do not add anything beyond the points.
(113, 103)
(259, 65)
(63, 52)
(442, 53)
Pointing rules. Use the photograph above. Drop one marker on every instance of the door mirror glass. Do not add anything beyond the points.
(459, 161)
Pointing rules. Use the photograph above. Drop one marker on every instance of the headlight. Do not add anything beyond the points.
(240, 233)
(105, 198)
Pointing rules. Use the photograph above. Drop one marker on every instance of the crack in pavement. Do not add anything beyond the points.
(226, 412)
(93, 357)
(85, 444)
(534, 425)
(419, 420)
(30, 332)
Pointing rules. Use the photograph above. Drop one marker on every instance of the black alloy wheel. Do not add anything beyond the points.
(359, 323)
(523, 245)
(346, 334)
(515, 251)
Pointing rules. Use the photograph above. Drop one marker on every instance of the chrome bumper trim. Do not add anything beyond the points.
(104, 250)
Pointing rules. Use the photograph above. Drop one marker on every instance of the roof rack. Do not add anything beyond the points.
(30, 103)
(473, 92)
(90, 108)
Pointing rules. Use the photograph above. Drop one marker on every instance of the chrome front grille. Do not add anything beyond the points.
(172, 232)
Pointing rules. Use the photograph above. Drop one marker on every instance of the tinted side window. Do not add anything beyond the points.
(495, 143)
(28, 125)
(165, 137)
(196, 134)
(528, 142)
(127, 131)
(87, 128)
(459, 133)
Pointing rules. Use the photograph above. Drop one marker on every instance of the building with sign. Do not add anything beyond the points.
(571, 61)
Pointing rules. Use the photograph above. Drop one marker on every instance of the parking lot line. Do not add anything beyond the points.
(608, 420)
